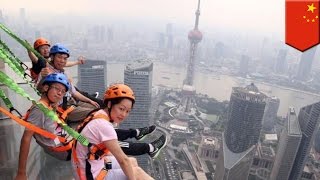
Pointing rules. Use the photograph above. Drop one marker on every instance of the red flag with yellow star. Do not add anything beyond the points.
(302, 23)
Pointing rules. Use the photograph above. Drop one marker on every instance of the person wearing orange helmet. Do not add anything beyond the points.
(119, 100)
(42, 45)
(83, 106)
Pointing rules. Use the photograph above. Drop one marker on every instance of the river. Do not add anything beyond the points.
(218, 86)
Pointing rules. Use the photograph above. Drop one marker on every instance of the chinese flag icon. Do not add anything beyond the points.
(302, 23)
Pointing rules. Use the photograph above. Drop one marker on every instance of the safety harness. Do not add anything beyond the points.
(95, 152)
(66, 143)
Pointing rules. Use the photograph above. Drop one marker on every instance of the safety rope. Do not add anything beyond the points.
(8, 103)
(32, 127)
(18, 71)
(22, 42)
(6, 80)
(4, 56)
(12, 57)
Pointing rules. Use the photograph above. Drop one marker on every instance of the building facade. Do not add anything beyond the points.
(270, 113)
(305, 64)
(262, 163)
(288, 147)
(281, 62)
(138, 75)
(92, 77)
(242, 133)
(309, 122)
(245, 114)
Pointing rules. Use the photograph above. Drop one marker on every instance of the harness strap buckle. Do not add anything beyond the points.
(14, 109)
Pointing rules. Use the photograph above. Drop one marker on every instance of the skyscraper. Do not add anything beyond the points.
(305, 64)
(309, 122)
(93, 77)
(244, 65)
(242, 133)
(317, 142)
(169, 36)
(110, 34)
(288, 147)
(138, 75)
(281, 61)
(270, 113)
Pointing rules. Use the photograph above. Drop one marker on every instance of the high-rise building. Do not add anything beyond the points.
(138, 75)
(110, 34)
(232, 165)
(242, 133)
(209, 148)
(309, 122)
(281, 62)
(246, 110)
(317, 142)
(305, 64)
(288, 147)
(244, 65)
(270, 113)
(161, 40)
(169, 35)
(92, 77)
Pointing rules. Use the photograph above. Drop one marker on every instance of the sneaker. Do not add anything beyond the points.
(158, 144)
(145, 131)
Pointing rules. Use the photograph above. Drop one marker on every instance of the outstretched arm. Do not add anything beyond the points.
(32, 57)
(81, 60)
(23, 155)
(122, 159)
(80, 97)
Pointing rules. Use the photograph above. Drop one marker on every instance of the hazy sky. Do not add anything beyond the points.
(251, 15)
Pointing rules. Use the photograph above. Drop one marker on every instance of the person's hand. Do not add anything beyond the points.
(45, 71)
(95, 104)
(21, 176)
(81, 60)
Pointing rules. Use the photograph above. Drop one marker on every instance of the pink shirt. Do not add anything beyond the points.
(96, 131)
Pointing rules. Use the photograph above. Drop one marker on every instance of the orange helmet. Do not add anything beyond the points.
(39, 42)
(117, 91)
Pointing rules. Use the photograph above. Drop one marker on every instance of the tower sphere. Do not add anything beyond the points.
(195, 35)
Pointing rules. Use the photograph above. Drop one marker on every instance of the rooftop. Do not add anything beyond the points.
(141, 64)
(271, 137)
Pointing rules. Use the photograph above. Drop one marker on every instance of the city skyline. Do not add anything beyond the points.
(144, 44)
(248, 15)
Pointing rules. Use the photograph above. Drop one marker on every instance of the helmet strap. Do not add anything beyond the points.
(109, 111)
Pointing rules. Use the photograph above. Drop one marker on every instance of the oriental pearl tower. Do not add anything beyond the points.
(188, 90)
